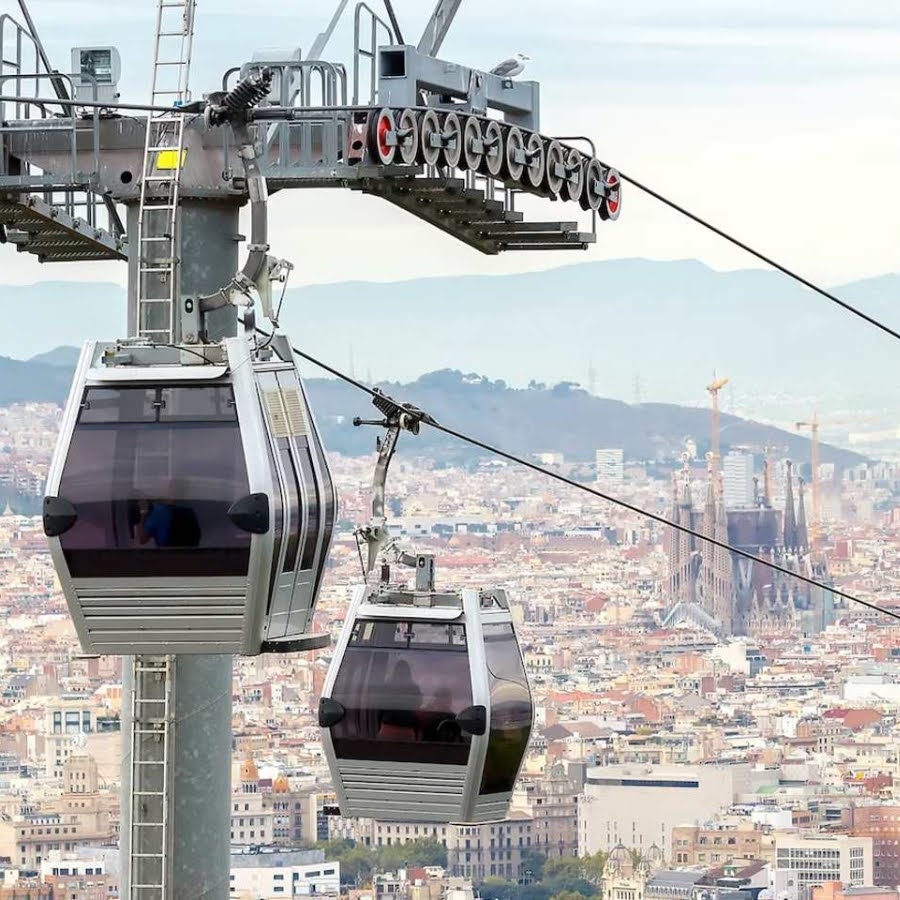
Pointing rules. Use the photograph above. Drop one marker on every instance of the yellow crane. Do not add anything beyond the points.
(813, 427)
(713, 390)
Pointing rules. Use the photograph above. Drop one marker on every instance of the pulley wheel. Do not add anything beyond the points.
(407, 136)
(535, 160)
(574, 183)
(380, 127)
(612, 202)
(513, 165)
(594, 185)
(473, 144)
(492, 164)
(429, 138)
(452, 140)
(553, 177)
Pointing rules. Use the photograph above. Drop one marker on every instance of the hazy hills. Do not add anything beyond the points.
(669, 323)
(562, 418)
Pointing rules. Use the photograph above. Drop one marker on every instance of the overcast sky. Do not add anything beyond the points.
(778, 120)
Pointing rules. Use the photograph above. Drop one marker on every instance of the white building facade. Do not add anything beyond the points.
(737, 480)
(639, 805)
(804, 861)
(268, 881)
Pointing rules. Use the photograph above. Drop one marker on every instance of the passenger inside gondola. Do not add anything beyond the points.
(436, 722)
(402, 685)
(168, 523)
(400, 723)
(155, 468)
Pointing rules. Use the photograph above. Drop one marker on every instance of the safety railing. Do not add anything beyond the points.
(34, 116)
(369, 51)
(19, 56)
(68, 188)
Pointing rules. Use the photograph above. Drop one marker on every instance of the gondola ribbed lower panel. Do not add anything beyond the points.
(180, 618)
(414, 792)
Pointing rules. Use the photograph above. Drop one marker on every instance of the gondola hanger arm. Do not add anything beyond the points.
(397, 417)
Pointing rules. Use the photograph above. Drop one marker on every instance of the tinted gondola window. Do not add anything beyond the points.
(511, 710)
(152, 472)
(402, 685)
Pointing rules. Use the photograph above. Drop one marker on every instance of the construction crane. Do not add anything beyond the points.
(713, 390)
(813, 427)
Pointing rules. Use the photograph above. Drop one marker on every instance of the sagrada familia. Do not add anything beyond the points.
(728, 594)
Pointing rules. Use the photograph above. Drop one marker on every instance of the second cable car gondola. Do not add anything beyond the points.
(426, 708)
(190, 508)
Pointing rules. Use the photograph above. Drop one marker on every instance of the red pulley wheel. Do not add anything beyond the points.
(380, 132)
(612, 202)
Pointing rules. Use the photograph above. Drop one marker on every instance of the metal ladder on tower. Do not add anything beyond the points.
(164, 153)
(152, 709)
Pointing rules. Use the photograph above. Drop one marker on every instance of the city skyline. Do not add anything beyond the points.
(577, 644)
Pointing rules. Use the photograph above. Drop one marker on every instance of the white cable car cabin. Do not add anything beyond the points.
(190, 507)
(426, 709)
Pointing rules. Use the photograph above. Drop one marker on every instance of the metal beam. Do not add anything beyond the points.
(398, 34)
(406, 71)
(319, 44)
(438, 26)
(59, 86)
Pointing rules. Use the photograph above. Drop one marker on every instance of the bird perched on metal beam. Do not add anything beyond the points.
(511, 67)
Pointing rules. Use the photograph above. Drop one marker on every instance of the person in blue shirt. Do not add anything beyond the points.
(155, 523)
(167, 523)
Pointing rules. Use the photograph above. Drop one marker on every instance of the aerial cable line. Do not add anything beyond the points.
(624, 504)
(849, 307)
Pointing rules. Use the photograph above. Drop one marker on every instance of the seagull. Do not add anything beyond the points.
(511, 67)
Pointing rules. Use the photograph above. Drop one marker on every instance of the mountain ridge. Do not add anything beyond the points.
(562, 418)
(667, 325)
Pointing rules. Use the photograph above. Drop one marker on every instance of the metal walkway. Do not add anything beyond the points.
(53, 234)
(469, 215)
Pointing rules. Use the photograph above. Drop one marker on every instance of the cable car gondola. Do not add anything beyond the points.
(190, 508)
(426, 708)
